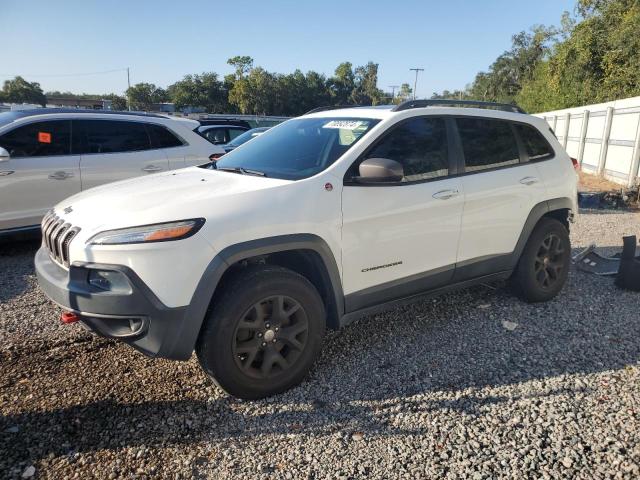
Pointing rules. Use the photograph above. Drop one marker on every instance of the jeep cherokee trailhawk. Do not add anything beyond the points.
(322, 219)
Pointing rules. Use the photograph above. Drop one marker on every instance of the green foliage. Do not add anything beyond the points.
(204, 90)
(593, 57)
(142, 96)
(19, 90)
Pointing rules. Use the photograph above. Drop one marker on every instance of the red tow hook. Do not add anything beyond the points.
(69, 317)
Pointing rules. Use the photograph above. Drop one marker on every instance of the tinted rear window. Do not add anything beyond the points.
(109, 136)
(161, 137)
(536, 146)
(487, 143)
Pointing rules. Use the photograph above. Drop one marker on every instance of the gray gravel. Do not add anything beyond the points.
(475, 384)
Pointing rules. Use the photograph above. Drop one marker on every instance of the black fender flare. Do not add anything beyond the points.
(200, 301)
(537, 212)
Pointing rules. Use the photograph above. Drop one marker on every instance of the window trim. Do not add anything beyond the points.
(453, 154)
(41, 120)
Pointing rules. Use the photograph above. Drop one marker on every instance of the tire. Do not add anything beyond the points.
(544, 264)
(249, 349)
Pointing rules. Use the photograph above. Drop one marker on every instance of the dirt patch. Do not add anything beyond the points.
(594, 183)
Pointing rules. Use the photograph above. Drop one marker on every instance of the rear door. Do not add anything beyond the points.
(41, 171)
(176, 151)
(501, 187)
(115, 150)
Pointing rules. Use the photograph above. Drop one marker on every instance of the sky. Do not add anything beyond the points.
(62, 44)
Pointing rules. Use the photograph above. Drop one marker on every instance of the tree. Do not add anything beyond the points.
(342, 84)
(142, 96)
(19, 90)
(366, 91)
(204, 90)
(405, 93)
(242, 64)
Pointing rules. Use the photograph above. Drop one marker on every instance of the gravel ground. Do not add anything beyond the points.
(474, 384)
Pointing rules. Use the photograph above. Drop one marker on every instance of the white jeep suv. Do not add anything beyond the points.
(320, 220)
(48, 154)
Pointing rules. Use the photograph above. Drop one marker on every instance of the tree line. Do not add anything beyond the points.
(592, 57)
(248, 90)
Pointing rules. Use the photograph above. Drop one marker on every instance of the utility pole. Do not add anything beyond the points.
(128, 87)
(415, 83)
(393, 91)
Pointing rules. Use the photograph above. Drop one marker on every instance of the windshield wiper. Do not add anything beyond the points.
(242, 170)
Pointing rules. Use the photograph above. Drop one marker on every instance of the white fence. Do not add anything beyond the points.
(605, 138)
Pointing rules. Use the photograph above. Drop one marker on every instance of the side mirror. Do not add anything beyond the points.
(380, 170)
(4, 155)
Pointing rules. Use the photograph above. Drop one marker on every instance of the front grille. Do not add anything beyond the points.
(56, 237)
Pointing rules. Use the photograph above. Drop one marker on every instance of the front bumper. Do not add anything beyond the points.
(136, 317)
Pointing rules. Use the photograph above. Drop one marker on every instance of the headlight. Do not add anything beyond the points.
(159, 232)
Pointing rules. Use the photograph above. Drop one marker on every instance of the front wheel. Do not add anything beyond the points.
(544, 264)
(263, 333)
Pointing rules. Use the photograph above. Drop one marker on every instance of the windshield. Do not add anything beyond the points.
(246, 136)
(298, 148)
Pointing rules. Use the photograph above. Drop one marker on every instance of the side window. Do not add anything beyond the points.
(487, 143)
(113, 136)
(234, 132)
(39, 139)
(162, 137)
(420, 145)
(535, 144)
(216, 135)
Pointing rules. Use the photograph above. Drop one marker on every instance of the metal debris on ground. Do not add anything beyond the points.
(588, 260)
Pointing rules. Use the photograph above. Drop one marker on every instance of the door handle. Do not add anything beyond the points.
(60, 175)
(5, 173)
(529, 180)
(151, 168)
(445, 194)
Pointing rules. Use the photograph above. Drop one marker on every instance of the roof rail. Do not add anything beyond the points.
(507, 107)
(82, 111)
(332, 107)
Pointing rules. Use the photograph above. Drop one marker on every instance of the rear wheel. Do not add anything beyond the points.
(264, 332)
(544, 264)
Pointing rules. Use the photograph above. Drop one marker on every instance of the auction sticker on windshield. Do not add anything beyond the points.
(343, 124)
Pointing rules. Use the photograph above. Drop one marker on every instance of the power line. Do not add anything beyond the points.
(64, 74)
(393, 90)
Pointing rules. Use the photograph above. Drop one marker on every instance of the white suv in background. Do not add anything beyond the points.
(320, 220)
(47, 155)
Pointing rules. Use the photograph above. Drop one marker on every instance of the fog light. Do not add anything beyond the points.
(109, 281)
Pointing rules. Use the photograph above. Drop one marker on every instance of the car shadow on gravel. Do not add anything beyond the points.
(15, 271)
(435, 355)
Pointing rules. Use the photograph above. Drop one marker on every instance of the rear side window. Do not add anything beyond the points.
(487, 143)
(39, 139)
(420, 145)
(161, 137)
(536, 146)
(112, 136)
(216, 136)
(234, 132)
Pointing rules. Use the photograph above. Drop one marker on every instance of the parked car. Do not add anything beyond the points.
(244, 138)
(221, 134)
(322, 219)
(47, 155)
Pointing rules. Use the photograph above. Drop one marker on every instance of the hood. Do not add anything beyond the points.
(175, 195)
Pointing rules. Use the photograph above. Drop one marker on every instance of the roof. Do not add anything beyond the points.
(78, 111)
(14, 115)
